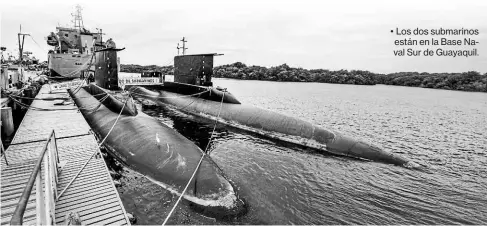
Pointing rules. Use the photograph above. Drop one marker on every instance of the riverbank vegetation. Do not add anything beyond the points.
(466, 81)
(135, 68)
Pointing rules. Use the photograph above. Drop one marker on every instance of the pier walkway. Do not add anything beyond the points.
(91, 194)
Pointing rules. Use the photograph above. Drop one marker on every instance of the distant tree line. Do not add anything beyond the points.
(466, 81)
(135, 68)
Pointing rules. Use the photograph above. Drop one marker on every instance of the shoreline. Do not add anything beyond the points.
(471, 81)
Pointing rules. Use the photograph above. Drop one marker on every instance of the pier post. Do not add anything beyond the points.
(4, 77)
(28, 93)
(7, 121)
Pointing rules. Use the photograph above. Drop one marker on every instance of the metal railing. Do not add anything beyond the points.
(45, 199)
(2, 152)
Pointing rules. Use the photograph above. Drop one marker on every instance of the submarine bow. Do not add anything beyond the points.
(158, 152)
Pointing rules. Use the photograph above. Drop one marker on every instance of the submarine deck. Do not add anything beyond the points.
(92, 194)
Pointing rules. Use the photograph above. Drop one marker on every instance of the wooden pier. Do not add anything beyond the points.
(72, 157)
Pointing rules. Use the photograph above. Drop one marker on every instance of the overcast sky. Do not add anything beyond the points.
(310, 34)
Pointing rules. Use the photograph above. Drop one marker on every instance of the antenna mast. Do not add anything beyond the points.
(184, 46)
(78, 18)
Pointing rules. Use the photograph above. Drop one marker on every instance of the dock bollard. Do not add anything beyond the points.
(7, 121)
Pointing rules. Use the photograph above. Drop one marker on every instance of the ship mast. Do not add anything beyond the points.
(21, 50)
(21, 36)
(78, 18)
(184, 46)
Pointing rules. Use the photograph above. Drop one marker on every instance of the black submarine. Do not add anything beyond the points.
(150, 147)
(192, 92)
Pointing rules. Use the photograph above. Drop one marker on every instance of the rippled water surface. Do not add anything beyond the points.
(442, 130)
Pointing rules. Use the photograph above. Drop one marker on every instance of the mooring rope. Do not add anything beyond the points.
(52, 98)
(184, 191)
(98, 105)
(176, 97)
(37, 43)
(44, 99)
(38, 108)
(96, 151)
(216, 121)
(79, 86)
(58, 109)
(197, 166)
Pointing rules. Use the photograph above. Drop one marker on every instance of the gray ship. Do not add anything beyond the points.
(73, 53)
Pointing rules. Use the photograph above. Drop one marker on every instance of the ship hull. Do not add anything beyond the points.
(158, 152)
(271, 124)
(69, 66)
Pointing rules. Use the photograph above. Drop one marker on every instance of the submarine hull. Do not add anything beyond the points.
(160, 153)
(272, 124)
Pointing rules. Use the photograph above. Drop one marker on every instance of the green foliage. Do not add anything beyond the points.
(285, 73)
(135, 68)
(467, 81)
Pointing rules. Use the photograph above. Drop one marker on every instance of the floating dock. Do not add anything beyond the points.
(91, 194)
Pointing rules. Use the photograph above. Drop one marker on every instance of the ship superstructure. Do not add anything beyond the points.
(73, 49)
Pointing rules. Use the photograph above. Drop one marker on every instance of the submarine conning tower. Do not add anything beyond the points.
(195, 69)
(107, 66)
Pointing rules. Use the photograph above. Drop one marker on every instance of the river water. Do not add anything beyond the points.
(445, 131)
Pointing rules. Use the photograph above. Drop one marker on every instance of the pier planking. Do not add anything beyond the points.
(92, 194)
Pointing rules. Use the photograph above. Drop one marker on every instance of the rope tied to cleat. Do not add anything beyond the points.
(205, 152)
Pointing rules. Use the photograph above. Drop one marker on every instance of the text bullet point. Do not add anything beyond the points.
(392, 31)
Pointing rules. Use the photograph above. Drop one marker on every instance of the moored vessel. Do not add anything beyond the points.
(192, 91)
(73, 53)
(150, 147)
